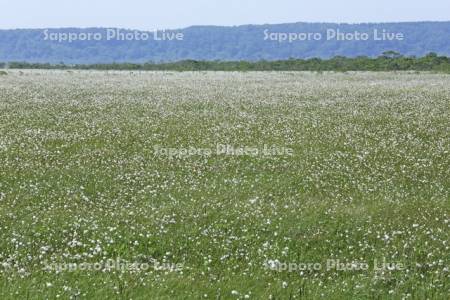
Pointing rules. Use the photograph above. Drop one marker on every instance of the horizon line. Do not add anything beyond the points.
(229, 26)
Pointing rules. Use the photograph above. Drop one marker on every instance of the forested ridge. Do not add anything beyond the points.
(253, 43)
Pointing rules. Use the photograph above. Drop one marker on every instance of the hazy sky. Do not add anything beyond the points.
(141, 14)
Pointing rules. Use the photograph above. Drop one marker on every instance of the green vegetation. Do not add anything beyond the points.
(81, 182)
(388, 61)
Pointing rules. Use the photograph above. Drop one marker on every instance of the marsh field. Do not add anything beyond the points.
(214, 185)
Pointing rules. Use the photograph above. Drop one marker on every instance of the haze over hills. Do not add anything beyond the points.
(248, 42)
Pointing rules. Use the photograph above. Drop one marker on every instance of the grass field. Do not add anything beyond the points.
(332, 185)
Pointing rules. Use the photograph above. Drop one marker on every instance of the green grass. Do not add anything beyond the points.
(368, 180)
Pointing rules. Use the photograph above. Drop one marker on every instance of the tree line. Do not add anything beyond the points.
(387, 61)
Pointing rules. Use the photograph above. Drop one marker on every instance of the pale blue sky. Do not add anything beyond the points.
(141, 14)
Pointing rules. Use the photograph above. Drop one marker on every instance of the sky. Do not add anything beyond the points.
(175, 14)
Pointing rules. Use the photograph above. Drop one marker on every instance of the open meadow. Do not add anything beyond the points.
(216, 185)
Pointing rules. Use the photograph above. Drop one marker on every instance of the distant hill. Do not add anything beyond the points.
(249, 42)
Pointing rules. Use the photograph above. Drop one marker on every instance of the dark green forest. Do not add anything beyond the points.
(388, 61)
